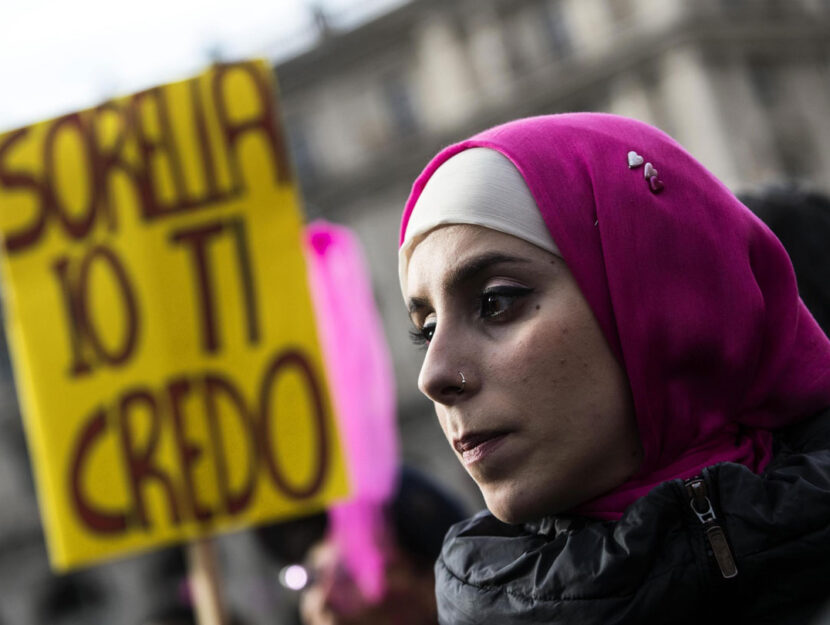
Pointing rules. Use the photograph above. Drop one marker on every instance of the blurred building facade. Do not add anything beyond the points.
(744, 84)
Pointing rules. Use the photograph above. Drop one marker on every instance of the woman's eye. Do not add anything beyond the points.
(495, 302)
(422, 335)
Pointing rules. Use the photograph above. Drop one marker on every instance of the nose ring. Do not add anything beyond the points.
(463, 383)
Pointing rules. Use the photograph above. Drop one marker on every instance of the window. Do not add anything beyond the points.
(621, 10)
(762, 78)
(556, 28)
(301, 151)
(396, 94)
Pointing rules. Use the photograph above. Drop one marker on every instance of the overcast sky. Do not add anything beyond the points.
(58, 56)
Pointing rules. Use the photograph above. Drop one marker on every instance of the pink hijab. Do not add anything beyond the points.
(696, 297)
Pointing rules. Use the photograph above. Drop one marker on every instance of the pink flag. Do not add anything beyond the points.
(362, 383)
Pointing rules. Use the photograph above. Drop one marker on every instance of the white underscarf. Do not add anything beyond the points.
(477, 186)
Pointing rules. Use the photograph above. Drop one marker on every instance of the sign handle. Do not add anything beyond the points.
(203, 573)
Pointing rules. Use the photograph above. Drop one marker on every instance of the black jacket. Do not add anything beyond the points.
(656, 564)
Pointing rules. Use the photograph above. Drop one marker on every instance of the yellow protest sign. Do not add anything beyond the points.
(161, 326)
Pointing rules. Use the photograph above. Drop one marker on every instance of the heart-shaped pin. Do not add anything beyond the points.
(649, 172)
(655, 184)
(634, 160)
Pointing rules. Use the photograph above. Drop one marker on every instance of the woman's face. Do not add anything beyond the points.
(544, 420)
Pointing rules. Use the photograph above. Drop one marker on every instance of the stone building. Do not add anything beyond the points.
(744, 84)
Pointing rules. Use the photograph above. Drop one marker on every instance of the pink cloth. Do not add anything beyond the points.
(696, 297)
(359, 369)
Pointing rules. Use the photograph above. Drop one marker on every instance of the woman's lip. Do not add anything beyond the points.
(474, 447)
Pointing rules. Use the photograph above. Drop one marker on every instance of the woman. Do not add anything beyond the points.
(617, 353)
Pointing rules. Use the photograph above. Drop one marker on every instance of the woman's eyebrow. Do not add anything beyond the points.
(417, 303)
(467, 270)
(474, 265)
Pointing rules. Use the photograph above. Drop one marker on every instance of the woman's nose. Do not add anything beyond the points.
(442, 376)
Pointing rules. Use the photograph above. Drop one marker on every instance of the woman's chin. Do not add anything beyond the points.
(512, 504)
(509, 517)
(513, 509)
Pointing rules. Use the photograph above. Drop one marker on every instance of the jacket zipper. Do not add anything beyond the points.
(702, 507)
